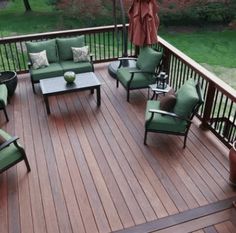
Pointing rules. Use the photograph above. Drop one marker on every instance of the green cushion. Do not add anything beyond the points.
(53, 70)
(9, 154)
(65, 44)
(162, 122)
(139, 80)
(187, 98)
(77, 67)
(148, 59)
(48, 45)
(3, 94)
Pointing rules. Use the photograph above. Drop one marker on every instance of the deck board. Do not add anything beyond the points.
(91, 171)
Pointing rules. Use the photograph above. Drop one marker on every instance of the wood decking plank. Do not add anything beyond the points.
(79, 144)
(61, 145)
(91, 172)
(153, 199)
(130, 129)
(23, 178)
(41, 166)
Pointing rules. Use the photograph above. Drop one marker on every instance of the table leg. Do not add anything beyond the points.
(92, 91)
(98, 96)
(47, 104)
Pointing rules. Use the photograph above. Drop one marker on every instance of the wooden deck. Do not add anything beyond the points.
(91, 172)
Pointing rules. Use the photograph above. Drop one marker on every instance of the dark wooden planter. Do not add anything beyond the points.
(10, 79)
(232, 164)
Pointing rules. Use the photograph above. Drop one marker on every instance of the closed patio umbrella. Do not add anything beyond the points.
(143, 22)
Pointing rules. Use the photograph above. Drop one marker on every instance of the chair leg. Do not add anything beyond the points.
(5, 112)
(117, 82)
(145, 138)
(185, 139)
(127, 95)
(33, 87)
(27, 164)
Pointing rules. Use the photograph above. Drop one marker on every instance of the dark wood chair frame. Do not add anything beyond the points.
(132, 75)
(171, 114)
(3, 107)
(22, 151)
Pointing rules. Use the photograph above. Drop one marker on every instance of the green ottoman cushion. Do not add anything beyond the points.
(77, 67)
(53, 70)
(65, 44)
(48, 45)
(148, 59)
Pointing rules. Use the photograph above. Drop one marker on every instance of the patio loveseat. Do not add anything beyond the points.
(55, 56)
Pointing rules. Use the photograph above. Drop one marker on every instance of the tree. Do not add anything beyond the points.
(27, 5)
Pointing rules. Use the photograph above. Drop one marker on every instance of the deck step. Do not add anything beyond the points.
(200, 217)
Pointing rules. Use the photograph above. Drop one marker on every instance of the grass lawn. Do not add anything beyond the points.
(215, 50)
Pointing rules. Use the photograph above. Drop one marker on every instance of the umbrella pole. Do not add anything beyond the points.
(112, 68)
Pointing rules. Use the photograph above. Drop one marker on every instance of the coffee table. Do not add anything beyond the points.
(57, 85)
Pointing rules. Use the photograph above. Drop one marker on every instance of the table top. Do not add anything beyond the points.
(59, 85)
(154, 88)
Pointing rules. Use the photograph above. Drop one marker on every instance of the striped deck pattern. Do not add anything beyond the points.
(91, 172)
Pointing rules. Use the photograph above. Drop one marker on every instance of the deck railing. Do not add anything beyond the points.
(219, 110)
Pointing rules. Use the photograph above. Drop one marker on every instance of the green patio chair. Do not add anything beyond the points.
(3, 99)
(11, 152)
(177, 119)
(144, 74)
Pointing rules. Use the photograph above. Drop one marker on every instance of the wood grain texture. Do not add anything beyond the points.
(91, 172)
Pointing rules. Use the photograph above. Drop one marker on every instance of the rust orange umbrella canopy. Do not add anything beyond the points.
(143, 22)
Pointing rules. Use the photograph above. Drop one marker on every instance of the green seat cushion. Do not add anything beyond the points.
(9, 154)
(77, 67)
(65, 44)
(3, 94)
(139, 80)
(53, 70)
(187, 98)
(48, 45)
(148, 59)
(162, 122)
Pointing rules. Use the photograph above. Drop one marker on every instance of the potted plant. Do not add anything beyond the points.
(232, 164)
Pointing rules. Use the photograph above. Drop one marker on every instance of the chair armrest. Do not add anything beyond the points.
(8, 142)
(127, 58)
(171, 114)
(142, 72)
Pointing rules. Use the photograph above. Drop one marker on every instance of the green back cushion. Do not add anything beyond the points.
(187, 98)
(65, 44)
(148, 59)
(48, 45)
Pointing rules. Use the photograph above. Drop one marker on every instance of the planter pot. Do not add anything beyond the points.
(9, 78)
(232, 164)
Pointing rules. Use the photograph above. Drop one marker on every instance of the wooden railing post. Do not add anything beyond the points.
(166, 60)
(208, 105)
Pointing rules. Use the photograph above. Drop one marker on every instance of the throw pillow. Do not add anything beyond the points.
(167, 102)
(80, 54)
(39, 60)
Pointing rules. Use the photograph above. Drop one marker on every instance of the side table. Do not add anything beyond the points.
(156, 91)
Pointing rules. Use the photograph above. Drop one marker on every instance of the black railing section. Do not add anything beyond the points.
(218, 113)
